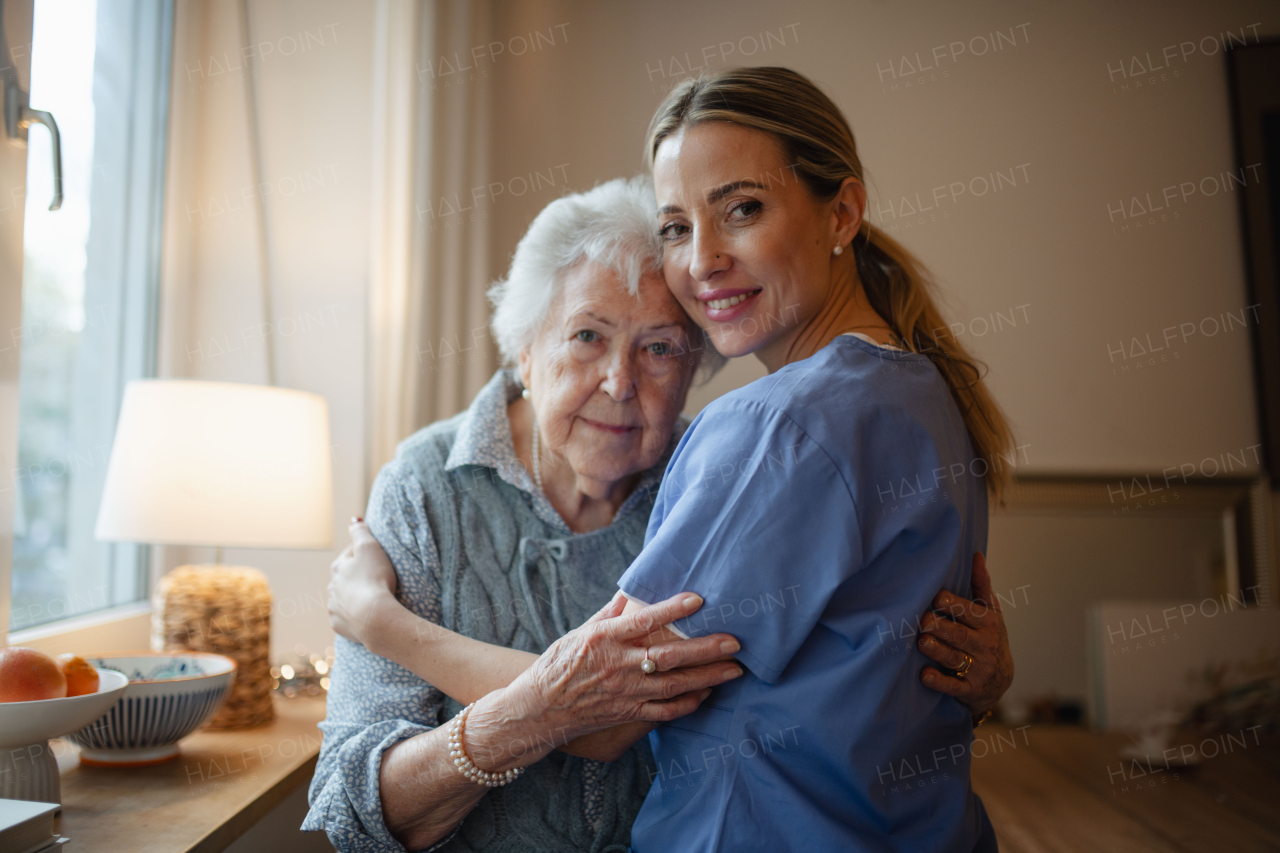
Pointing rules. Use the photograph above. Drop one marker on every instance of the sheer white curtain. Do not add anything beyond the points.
(429, 347)
(379, 101)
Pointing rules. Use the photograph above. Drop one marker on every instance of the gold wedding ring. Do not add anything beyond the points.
(968, 662)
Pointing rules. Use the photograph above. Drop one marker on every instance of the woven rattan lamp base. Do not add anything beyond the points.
(225, 610)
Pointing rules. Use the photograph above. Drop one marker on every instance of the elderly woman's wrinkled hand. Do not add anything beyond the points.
(975, 628)
(360, 579)
(592, 678)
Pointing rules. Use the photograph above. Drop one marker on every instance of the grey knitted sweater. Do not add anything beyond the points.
(480, 551)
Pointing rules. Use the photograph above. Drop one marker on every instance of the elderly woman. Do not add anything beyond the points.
(510, 525)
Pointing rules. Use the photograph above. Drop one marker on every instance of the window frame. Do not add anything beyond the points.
(123, 267)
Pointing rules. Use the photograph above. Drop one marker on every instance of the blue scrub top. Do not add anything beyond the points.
(818, 511)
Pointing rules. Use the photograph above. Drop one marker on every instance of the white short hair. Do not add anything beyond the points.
(614, 225)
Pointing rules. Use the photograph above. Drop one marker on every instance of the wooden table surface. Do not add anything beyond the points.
(1046, 788)
(221, 784)
(1062, 788)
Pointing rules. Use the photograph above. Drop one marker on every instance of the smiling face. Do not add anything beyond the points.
(608, 374)
(748, 248)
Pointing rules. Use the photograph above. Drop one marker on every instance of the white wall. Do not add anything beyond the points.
(1045, 251)
(1050, 108)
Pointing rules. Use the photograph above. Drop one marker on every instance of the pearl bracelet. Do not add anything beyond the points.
(466, 766)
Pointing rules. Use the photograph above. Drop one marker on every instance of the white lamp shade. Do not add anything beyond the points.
(216, 463)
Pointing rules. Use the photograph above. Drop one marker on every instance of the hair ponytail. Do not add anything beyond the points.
(819, 147)
(898, 288)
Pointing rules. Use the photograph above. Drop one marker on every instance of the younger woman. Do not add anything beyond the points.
(813, 507)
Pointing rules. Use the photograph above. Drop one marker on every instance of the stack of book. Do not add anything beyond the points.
(28, 827)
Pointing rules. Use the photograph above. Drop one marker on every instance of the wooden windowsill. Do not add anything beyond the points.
(221, 785)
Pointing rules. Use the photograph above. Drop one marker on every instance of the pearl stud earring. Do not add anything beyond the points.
(838, 250)
(525, 393)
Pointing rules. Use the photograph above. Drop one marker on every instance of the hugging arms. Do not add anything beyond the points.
(593, 665)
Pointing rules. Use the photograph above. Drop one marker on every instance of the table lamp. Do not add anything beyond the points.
(226, 465)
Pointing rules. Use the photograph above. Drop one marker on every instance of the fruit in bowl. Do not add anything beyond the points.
(27, 675)
(82, 678)
(23, 721)
(28, 769)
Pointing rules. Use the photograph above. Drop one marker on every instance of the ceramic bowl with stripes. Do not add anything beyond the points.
(170, 695)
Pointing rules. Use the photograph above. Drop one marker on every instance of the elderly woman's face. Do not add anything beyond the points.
(609, 372)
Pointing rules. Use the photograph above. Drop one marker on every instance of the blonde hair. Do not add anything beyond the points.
(818, 146)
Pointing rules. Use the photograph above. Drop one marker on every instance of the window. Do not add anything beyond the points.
(89, 290)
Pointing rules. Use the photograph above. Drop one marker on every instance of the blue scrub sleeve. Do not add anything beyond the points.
(754, 516)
